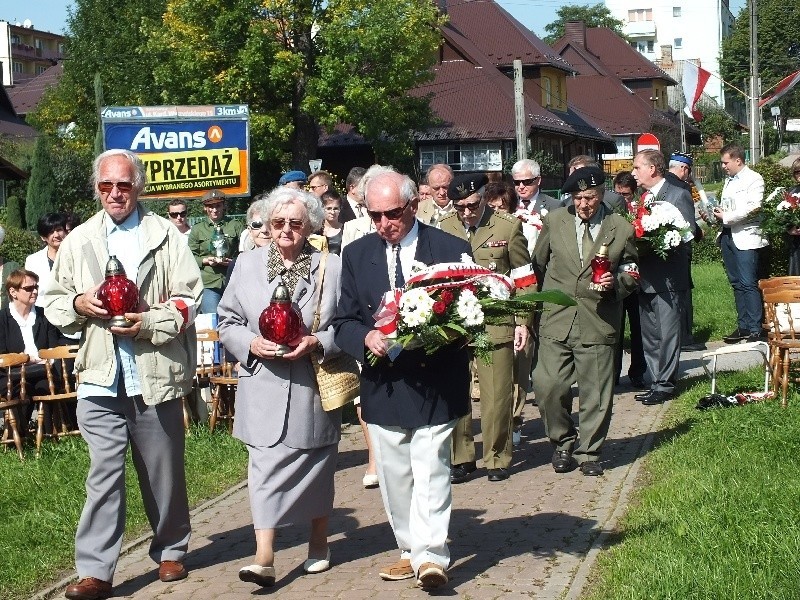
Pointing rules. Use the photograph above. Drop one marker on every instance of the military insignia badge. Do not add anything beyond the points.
(582, 185)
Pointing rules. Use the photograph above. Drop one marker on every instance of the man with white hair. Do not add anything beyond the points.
(411, 402)
(527, 179)
(439, 177)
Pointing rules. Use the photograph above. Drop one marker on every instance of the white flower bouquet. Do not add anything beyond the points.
(453, 303)
(661, 225)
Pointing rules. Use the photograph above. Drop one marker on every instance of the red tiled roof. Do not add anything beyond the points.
(10, 123)
(500, 36)
(26, 96)
(607, 53)
(475, 101)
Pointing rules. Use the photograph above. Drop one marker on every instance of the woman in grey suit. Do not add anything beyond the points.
(291, 441)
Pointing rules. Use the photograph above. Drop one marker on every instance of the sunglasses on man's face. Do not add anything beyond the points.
(256, 225)
(29, 288)
(294, 224)
(391, 214)
(472, 206)
(182, 213)
(525, 182)
(107, 186)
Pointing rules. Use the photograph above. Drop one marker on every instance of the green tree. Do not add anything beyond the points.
(42, 184)
(778, 51)
(596, 15)
(717, 122)
(15, 212)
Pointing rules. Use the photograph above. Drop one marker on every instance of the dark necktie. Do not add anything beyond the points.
(399, 280)
(470, 232)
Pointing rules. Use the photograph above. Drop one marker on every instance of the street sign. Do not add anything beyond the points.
(186, 150)
(647, 141)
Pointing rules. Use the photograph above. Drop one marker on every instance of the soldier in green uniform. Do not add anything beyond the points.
(214, 243)
(577, 342)
(497, 244)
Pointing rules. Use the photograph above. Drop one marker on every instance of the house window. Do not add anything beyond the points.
(624, 148)
(676, 11)
(547, 92)
(651, 46)
(640, 14)
(40, 69)
(15, 40)
(678, 43)
(17, 67)
(464, 157)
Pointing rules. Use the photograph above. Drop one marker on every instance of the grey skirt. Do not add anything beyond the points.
(289, 486)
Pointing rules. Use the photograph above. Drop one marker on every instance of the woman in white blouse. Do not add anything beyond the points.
(24, 328)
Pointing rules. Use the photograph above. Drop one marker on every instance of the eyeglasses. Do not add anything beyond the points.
(257, 225)
(525, 182)
(107, 186)
(795, 173)
(182, 213)
(30, 288)
(472, 206)
(294, 224)
(391, 214)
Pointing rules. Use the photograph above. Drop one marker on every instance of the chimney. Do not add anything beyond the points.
(575, 32)
(666, 55)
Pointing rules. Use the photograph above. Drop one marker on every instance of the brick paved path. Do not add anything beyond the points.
(532, 536)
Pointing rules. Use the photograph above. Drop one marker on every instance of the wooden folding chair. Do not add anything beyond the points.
(223, 389)
(59, 363)
(12, 398)
(782, 308)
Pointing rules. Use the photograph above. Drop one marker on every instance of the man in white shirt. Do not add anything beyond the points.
(740, 241)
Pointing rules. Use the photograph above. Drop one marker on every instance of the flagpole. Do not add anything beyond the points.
(755, 111)
(683, 127)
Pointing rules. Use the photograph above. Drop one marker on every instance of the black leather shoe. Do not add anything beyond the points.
(591, 468)
(637, 382)
(639, 397)
(460, 473)
(656, 397)
(563, 462)
(500, 474)
(736, 336)
(757, 336)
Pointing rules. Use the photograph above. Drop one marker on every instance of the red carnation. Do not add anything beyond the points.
(447, 296)
(439, 308)
(637, 228)
(471, 287)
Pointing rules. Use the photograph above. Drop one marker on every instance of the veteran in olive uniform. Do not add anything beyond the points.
(577, 342)
(498, 244)
(212, 266)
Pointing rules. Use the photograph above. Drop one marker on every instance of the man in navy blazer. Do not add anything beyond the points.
(663, 283)
(411, 402)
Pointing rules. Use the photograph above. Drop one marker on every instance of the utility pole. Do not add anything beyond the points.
(755, 89)
(519, 112)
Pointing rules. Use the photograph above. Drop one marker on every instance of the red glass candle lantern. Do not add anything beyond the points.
(600, 266)
(118, 294)
(280, 322)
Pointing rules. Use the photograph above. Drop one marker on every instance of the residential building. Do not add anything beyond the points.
(620, 91)
(26, 52)
(694, 30)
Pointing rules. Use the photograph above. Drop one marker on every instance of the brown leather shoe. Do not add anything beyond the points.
(431, 576)
(171, 570)
(89, 588)
(397, 571)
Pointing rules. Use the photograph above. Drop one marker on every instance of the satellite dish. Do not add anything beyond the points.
(27, 24)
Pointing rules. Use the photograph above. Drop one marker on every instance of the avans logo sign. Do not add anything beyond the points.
(146, 140)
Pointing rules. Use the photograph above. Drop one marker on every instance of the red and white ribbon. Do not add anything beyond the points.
(187, 308)
(523, 276)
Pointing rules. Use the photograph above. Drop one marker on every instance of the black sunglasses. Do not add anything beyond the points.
(182, 213)
(525, 182)
(472, 206)
(107, 186)
(391, 215)
(257, 225)
(29, 288)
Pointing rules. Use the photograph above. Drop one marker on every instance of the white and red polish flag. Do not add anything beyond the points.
(786, 84)
(694, 80)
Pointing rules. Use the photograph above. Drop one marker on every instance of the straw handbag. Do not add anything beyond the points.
(338, 378)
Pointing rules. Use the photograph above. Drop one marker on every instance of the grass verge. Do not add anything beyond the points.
(717, 516)
(42, 501)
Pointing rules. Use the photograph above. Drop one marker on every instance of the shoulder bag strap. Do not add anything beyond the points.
(322, 260)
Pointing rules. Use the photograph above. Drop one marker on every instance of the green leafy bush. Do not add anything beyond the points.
(15, 212)
(706, 250)
(18, 244)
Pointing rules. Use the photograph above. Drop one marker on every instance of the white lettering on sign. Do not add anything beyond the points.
(168, 140)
